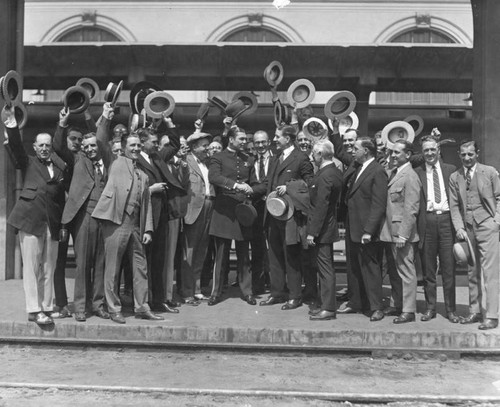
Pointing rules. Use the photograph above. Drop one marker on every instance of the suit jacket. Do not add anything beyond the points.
(41, 200)
(489, 193)
(402, 206)
(366, 200)
(446, 170)
(196, 191)
(113, 201)
(324, 193)
(177, 199)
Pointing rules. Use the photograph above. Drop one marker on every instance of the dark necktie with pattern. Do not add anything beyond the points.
(97, 167)
(394, 171)
(437, 188)
(262, 170)
(468, 178)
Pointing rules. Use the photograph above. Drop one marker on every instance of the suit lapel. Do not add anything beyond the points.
(287, 161)
(361, 178)
(423, 179)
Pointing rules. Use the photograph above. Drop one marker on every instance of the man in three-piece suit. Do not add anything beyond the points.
(37, 217)
(201, 196)
(322, 230)
(435, 229)
(475, 213)
(127, 224)
(284, 240)
(153, 162)
(365, 185)
(400, 229)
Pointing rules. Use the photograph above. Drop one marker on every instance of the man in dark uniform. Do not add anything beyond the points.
(232, 172)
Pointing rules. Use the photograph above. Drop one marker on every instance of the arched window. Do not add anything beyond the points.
(251, 34)
(88, 34)
(423, 36)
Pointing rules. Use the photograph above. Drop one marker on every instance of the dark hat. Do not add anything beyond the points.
(273, 73)
(301, 93)
(159, 103)
(76, 99)
(416, 122)
(218, 102)
(248, 99)
(315, 129)
(397, 130)
(464, 252)
(203, 111)
(280, 207)
(245, 214)
(341, 104)
(20, 113)
(10, 87)
(90, 86)
(235, 108)
(198, 135)
(281, 114)
(113, 92)
(139, 92)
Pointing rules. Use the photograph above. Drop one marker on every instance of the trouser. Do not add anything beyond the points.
(405, 264)
(322, 255)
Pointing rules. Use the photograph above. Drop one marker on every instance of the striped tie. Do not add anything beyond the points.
(435, 181)
(468, 178)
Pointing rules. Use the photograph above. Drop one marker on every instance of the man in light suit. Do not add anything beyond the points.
(37, 217)
(475, 213)
(201, 196)
(400, 229)
(322, 230)
(365, 186)
(435, 229)
(127, 225)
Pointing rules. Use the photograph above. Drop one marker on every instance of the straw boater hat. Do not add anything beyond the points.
(76, 99)
(90, 86)
(273, 73)
(280, 207)
(315, 129)
(158, 104)
(20, 114)
(10, 87)
(113, 92)
(341, 104)
(464, 252)
(397, 130)
(301, 93)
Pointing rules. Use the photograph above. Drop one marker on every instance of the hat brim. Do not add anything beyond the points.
(158, 104)
(415, 118)
(219, 103)
(301, 93)
(20, 113)
(281, 114)
(245, 214)
(291, 208)
(90, 86)
(145, 86)
(315, 128)
(11, 88)
(76, 99)
(350, 121)
(203, 111)
(397, 130)
(249, 100)
(340, 105)
(471, 260)
(274, 73)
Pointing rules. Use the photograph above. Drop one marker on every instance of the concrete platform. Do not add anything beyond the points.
(235, 324)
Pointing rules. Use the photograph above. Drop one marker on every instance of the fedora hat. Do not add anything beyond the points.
(397, 130)
(20, 113)
(138, 93)
(349, 122)
(235, 108)
(76, 99)
(249, 99)
(136, 120)
(90, 86)
(315, 128)
(158, 104)
(273, 73)
(10, 87)
(464, 252)
(245, 214)
(340, 105)
(281, 114)
(218, 102)
(280, 207)
(416, 122)
(203, 111)
(113, 92)
(301, 93)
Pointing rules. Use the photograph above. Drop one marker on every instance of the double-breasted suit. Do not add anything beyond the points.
(284, 238)
(476, 209)
(403, 203)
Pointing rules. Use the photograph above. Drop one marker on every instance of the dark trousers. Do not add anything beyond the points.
(438, 241)
(309, 272)
(89, 256)
(366, 277)
(284, 262)
(260, 259)
(60, 271)
(222, 247)
(322, 256)
(157, 264)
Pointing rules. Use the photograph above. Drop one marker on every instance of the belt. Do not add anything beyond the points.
(439, 212)
(210, 198)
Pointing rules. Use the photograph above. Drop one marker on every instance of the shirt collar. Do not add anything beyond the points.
(403, 166)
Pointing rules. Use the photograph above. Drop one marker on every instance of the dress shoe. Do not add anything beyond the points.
(117, 317)
(323, 315)
(213, 300)
(428, 315)
(314, 311)
(101, 313)
(173, 304)
(392, 311)
(272, 300)
(80, 317)
(249, 299)
(40, 318)
(452, 317)
(471, 319)
(61, 312)
(191, 301)
(165, 308)
(291, 304)
(488, 323)
(377, 315)
(149, 316)
(201, 297)
(404, 318)
(347, 309)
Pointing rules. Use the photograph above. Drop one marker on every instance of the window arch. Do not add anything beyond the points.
(88, 34)
(251, 34)
(423, 36)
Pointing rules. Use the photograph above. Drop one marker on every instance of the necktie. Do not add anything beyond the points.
(468, 178)
(98, 168)
(435, 181)
(281, 159)
(262, 171)
(394, 171)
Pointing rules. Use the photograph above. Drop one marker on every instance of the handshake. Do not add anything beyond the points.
(243, 187)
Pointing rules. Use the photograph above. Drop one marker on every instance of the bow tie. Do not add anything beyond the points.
(45, 162)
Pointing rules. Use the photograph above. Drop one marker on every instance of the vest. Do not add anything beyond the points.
(474, 209)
